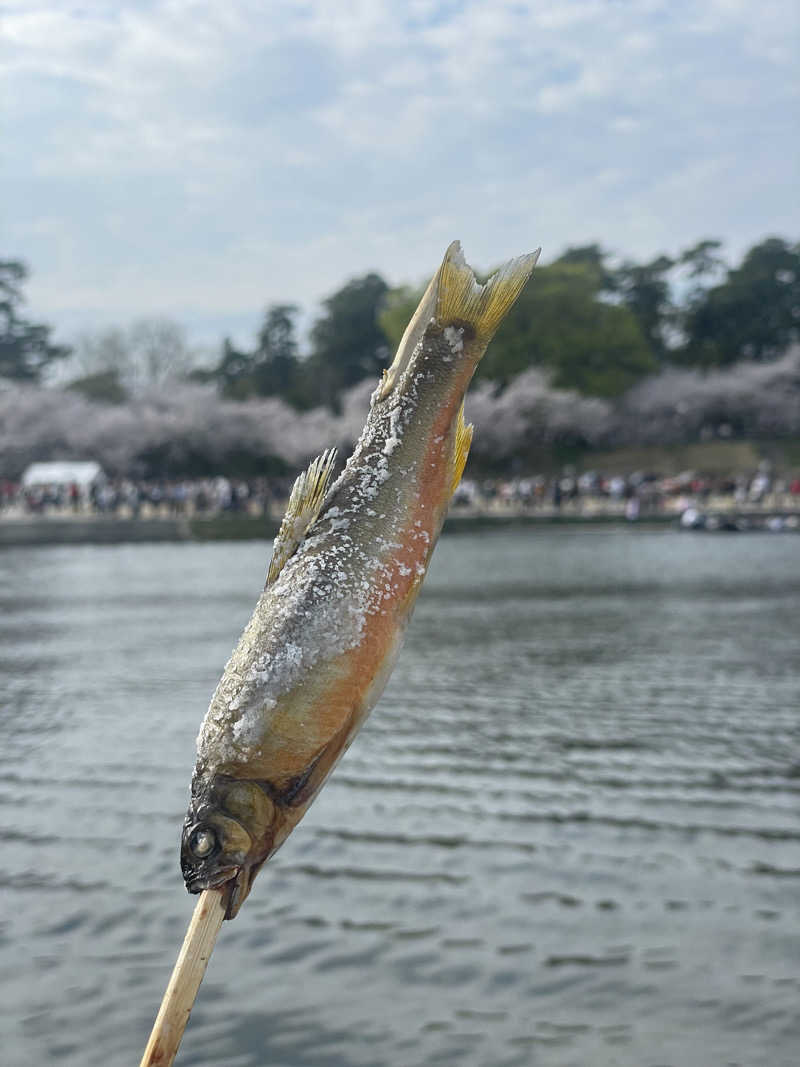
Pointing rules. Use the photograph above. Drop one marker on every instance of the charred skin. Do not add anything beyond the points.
(324, 636)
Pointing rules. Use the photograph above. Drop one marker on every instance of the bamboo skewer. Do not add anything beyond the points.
(187, 974)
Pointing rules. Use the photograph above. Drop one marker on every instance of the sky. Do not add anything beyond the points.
(202, 161)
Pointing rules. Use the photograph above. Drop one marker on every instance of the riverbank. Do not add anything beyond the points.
(98, 530)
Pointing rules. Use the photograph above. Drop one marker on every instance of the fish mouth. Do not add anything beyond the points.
(218, 880)
(238, 881)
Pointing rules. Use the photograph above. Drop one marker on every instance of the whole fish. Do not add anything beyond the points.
(347, 566)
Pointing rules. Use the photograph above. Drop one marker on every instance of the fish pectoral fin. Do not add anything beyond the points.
(302, 789)
(463, 441)
(305, 502)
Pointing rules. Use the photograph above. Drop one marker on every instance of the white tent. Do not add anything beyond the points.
(83, 474)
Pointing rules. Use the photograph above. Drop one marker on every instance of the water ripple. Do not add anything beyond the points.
(568, 835)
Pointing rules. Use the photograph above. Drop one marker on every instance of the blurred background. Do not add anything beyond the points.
(569, 833)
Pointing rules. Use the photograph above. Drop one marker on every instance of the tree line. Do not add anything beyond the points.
(591, 323)
(190, 430)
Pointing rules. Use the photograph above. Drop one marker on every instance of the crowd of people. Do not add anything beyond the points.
(141, 498)
(634, 495)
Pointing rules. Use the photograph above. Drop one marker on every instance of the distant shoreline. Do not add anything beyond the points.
(95, 530)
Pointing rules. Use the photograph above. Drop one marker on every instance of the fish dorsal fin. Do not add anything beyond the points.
(305, 501)
(410, 339)
(463, 441)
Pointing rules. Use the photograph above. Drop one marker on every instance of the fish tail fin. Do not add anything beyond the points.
(463, 441)
(455, 298)
(462, 300)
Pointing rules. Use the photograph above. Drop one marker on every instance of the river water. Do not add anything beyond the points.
(568, 835)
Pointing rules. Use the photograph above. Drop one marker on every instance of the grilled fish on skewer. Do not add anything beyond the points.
(347, 567)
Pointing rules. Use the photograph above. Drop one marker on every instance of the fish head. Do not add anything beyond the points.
(227, 835)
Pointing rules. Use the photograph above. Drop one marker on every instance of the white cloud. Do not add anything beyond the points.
(165, 157)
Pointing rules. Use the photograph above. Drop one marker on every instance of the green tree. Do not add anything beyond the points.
(275, 364)
(561, 322)
(25, 347)
(594, 257)
(753, 314)
(703, 260)
(644, 289)
(347, 341)
(272, 368)
(233, 373)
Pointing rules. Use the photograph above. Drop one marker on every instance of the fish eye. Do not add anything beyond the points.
(202, 842)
